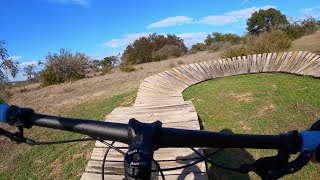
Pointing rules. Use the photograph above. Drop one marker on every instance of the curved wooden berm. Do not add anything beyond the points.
(160, 98)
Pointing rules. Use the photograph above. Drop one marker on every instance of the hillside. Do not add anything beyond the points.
(307, 43)
(49, 99)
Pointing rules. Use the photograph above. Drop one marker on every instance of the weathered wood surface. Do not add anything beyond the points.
(160, 98)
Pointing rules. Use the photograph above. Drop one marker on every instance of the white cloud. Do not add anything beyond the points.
(15, 58)
(231, 17)
(25, 64)
(171, 21)
(76, 2)
(128, 39)
(193, 38)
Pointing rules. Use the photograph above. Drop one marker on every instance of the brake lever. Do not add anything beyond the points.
(274, 167)
(17, 137)
(291, 167)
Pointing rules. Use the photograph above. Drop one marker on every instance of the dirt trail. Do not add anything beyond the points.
(49, 99)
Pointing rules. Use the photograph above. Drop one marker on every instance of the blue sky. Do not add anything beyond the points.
(99, 28)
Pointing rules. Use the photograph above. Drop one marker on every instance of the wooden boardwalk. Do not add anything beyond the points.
(160, 98)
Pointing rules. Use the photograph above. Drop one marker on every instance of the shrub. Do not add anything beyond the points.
(146, 49)
(294, 31)
(267, 42)
(234, 51)
(125, 67)
(106, 70)
(64, 66)
(49, 76)
(309, 25)
(216, 37)
(297, 29)
(167, 51)
(216, 46)
(198, 47)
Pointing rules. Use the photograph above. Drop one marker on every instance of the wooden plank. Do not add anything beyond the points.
(266, 67)
(230, 66)
(276, 63)
(289, 63)
(272, 62)
(284, 61)
(202, 71)
(180, 76)
(301, 60)
(254, 64)
(169, 78)
(190, 176)
(116, 168)
(312, 71)
(170, 74)
(163, 154)
(160, 84)
(307, 65)
(216, 68)
(196, 71)
(263, 62)
(191, 73)
(296, 60)
(192, 80)
(166, 82)
(205, 67)
(304, 62)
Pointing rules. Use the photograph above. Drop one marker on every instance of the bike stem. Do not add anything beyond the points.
(142, 143)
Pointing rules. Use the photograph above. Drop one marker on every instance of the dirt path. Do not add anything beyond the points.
(49, 99)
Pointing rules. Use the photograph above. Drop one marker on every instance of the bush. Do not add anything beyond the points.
(216, 46)
(266, 42)
(49, 76)
(64, 66)
(234, 51)
(297, 29)
(153, 48)
(167, 51)
(198, 47)
(106, 70)
(216, 37)
(310, 25)
(294, 31)
(125, 67)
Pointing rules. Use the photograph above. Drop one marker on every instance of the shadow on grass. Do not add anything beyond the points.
(231, 157)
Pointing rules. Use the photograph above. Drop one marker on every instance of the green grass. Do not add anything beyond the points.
(256, 104)
(64, 161)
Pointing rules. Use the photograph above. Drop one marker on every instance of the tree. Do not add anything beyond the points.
(110, 61)
(30, 72)
(266, 20)
(95, 65)
(64, 66)
(7, 66)
(143, 49)
(222, 38)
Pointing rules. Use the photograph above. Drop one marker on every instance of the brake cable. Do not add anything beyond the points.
(218, 165)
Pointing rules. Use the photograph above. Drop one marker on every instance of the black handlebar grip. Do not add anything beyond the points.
(316, 125)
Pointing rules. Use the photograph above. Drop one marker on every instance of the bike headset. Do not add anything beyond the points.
(144, 138)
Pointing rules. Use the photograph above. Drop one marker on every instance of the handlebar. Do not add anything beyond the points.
(149, 137)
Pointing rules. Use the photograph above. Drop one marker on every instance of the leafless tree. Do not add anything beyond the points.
(7, 66)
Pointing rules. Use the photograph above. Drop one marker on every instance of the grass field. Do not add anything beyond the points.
(65, 161)
(256, 104)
